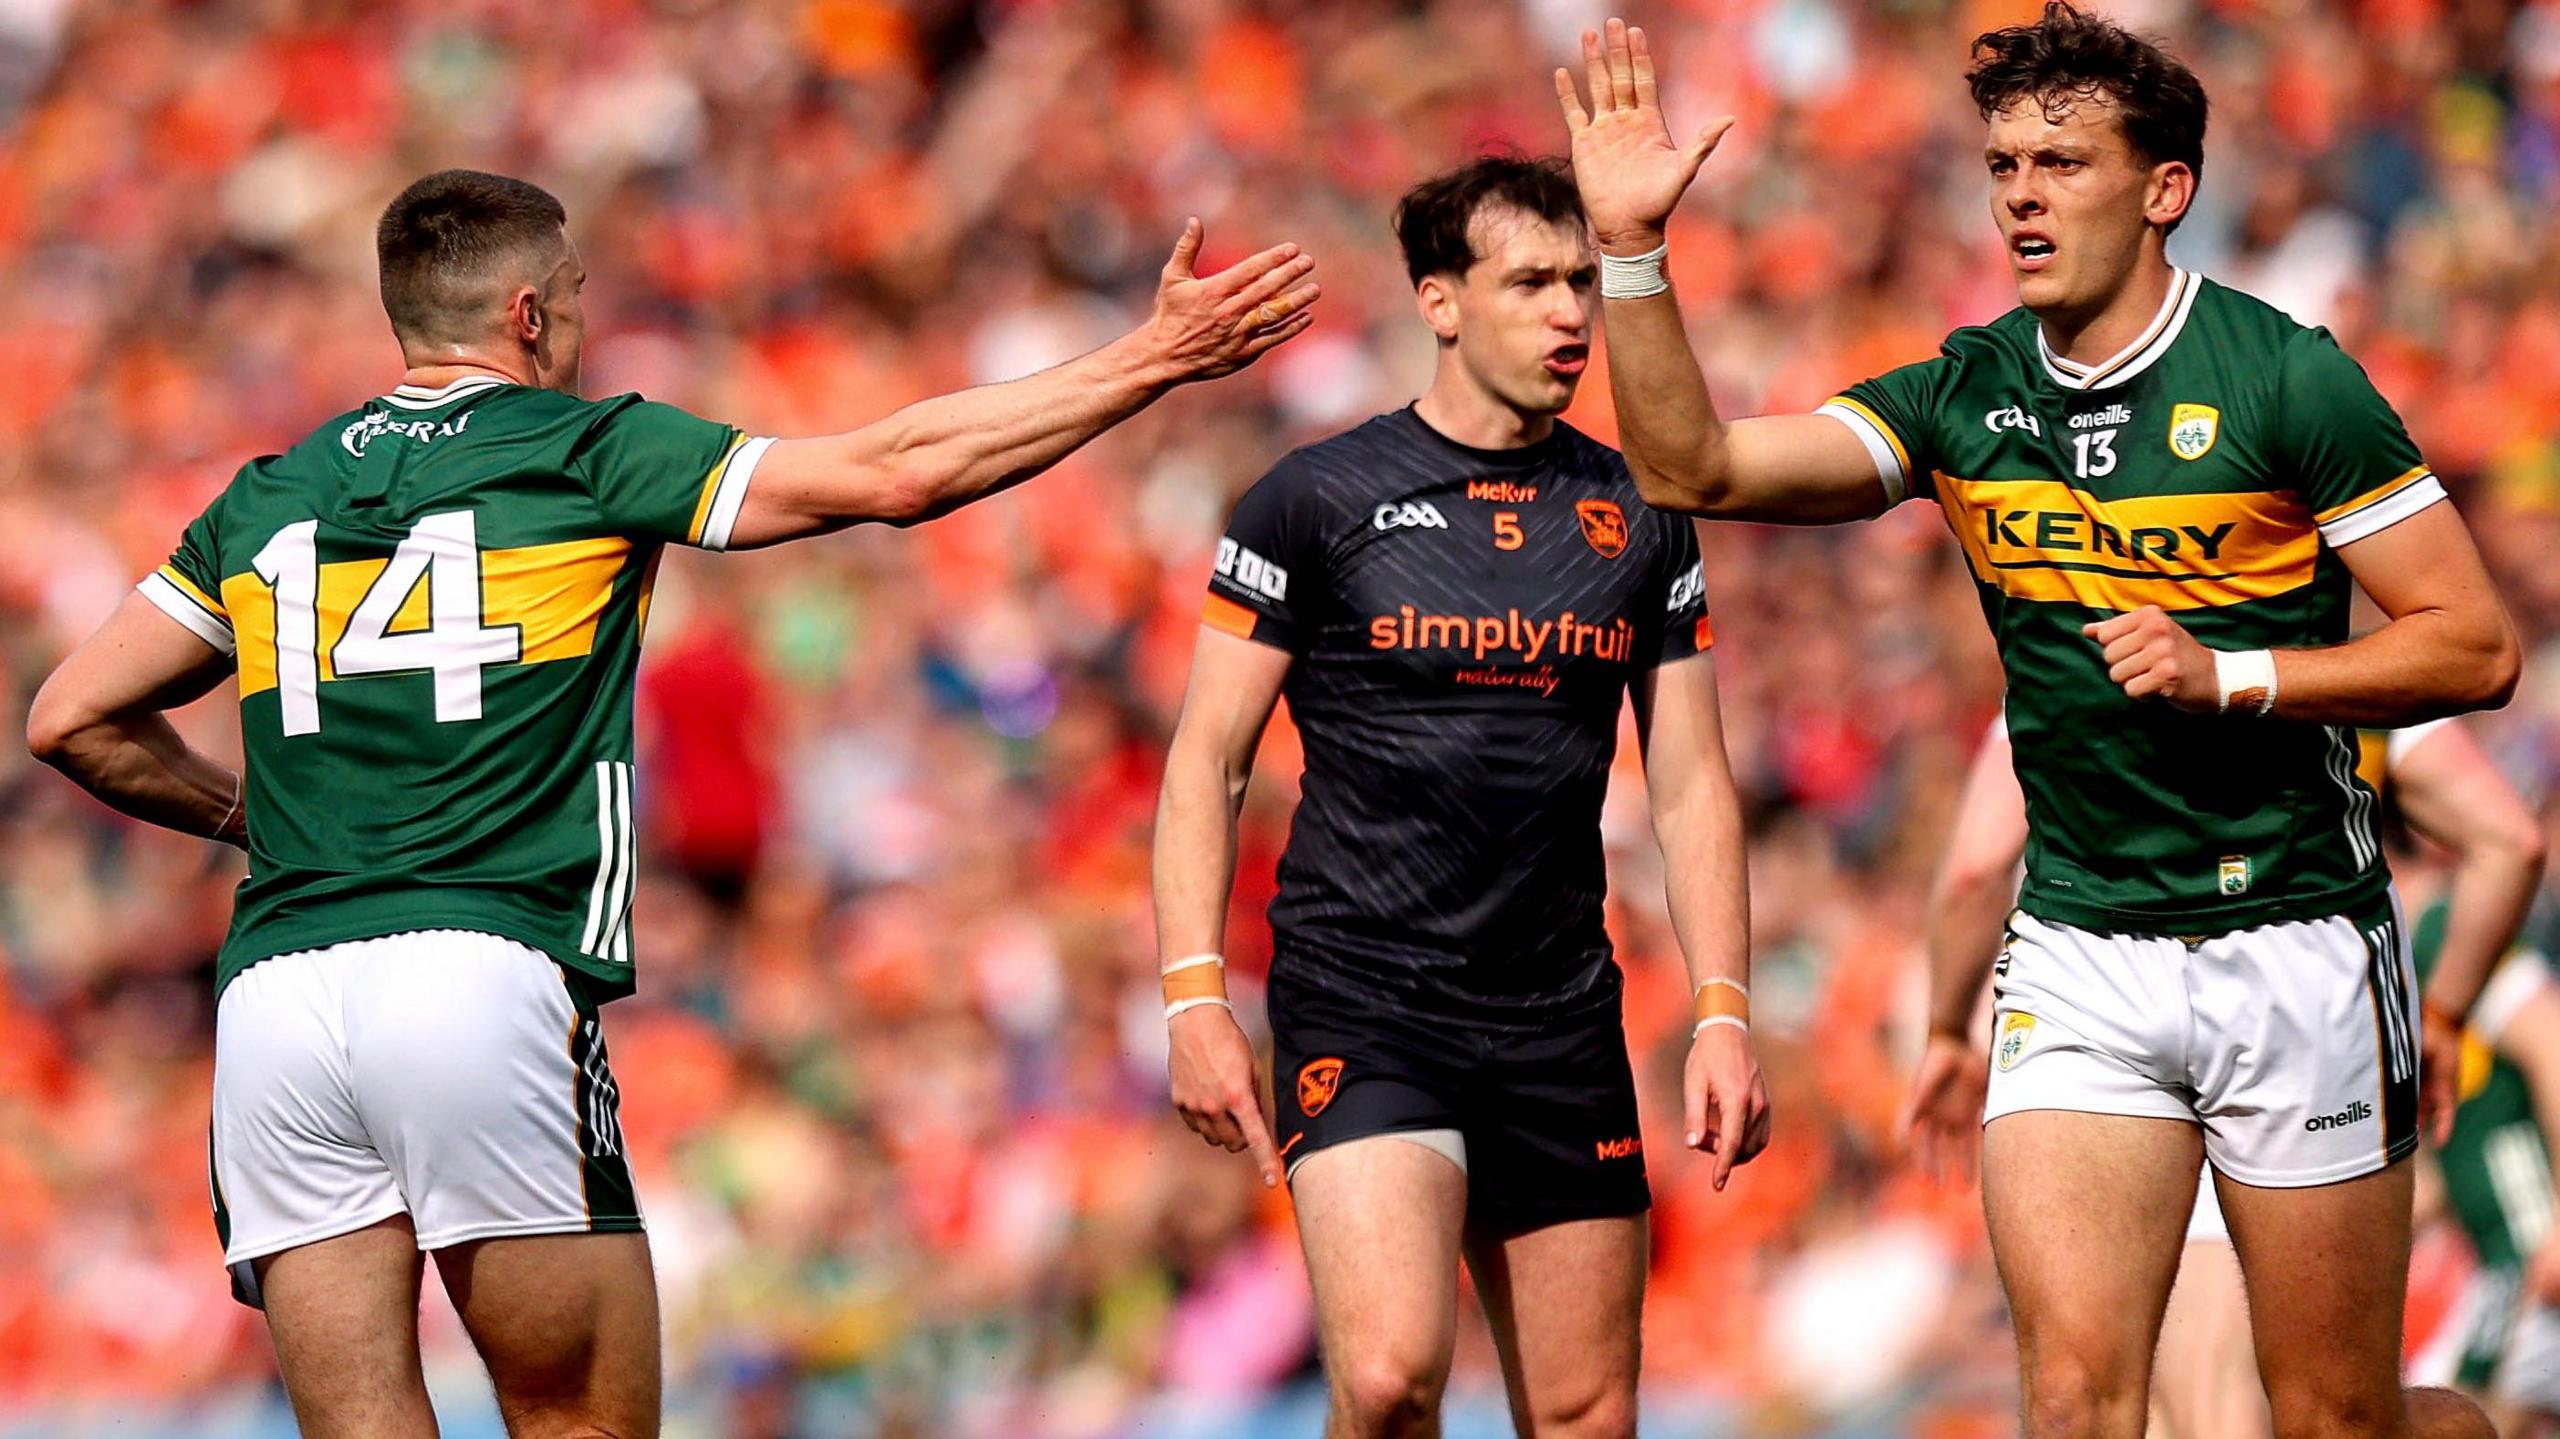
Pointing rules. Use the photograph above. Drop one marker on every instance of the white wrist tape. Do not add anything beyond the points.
(1193, 962)
(1712, 1020)
(1197, 1002)
(2247, 679)
(1633, 277)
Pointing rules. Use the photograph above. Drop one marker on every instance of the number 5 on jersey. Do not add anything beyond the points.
(443, 552)
(1507, 534)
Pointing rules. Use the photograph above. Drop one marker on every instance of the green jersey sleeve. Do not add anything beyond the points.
(188, 588)
(2350, 459)
(1893, 416)
(658, 473)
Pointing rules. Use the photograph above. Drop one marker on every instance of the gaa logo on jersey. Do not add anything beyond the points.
(2192, 430)
(1420, 514)
(1604, 525)
(2016, 1029)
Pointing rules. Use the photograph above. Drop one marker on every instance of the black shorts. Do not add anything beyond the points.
(1548, 1112)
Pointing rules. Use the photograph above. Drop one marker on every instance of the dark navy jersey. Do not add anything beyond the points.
(1466, 624)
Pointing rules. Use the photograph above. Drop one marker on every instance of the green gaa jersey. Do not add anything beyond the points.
(2211, 469)
(2497, 1173)
(435, 605)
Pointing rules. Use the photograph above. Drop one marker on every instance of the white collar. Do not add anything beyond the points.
(418, 397)
(2133, 359)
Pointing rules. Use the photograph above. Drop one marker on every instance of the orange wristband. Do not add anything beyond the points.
(1726, 1001)
(1202, 976)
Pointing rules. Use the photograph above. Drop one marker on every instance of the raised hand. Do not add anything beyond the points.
(1211, 325)
(1631, 173)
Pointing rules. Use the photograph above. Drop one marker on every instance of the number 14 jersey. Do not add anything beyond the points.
(434, 604)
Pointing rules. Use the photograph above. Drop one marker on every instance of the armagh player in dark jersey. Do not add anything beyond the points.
(1456, 598)
(2166, 491)
(433, 606)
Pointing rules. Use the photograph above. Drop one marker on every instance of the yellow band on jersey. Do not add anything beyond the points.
(711, 491)
(188, 588)
(2044, 540)
(2373, 496)
(553, 594)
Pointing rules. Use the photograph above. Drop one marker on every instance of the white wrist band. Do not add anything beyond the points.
(1633, 277)
(1712, 1020)
(2247, 679)
(1201, 1002)
(1192, 961)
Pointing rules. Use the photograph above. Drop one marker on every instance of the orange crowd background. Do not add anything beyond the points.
(893, 1081)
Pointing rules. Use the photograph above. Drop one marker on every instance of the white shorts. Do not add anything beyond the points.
(449, 1075)
(2294, 1045)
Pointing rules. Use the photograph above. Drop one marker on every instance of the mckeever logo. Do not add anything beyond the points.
(1509, 492)
(374, 426)
(2356, 1113)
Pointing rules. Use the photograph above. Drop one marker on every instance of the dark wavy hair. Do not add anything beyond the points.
(2069, 57)
(1433, 219)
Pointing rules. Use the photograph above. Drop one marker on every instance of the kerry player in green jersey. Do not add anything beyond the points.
(2166, 492)
(433, 606)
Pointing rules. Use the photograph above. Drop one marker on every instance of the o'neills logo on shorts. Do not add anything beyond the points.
(1511, 635)
(2356, 1113)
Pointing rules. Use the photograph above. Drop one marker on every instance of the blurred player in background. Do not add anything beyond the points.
(434, 608)
(2434, 775)
(1457, 598)
(2203, 872)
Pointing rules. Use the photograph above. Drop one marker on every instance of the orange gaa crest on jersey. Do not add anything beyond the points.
(1316, 1085)
(1604, 525)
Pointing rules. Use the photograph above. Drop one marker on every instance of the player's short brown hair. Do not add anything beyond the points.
(1435, 219)
(450, 238)
(2069, 57)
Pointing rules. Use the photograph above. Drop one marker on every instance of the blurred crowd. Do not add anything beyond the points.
(894, 1082)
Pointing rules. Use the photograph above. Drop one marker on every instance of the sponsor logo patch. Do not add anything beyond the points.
(1508, 492)
(1604, 525)
(1317, 1084)
(1251, 571)
(2017, 1029)
(2356, 1113)
(1626, 1148)
(2192, 430)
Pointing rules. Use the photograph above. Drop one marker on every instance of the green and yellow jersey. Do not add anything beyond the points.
(2213, 469)
(435, 605)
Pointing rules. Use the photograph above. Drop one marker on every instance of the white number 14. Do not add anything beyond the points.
(444, 551)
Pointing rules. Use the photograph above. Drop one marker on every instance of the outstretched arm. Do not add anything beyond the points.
(100, 720)
(1786, 469)
(936, 455)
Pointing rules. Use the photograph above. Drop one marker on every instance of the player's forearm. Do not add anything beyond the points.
(138, 764)
(939, 454)
(1195, 851)
(1700, 831)
(2493, 887)
(1966, 919)
(2423, 665)
(1668, 428)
